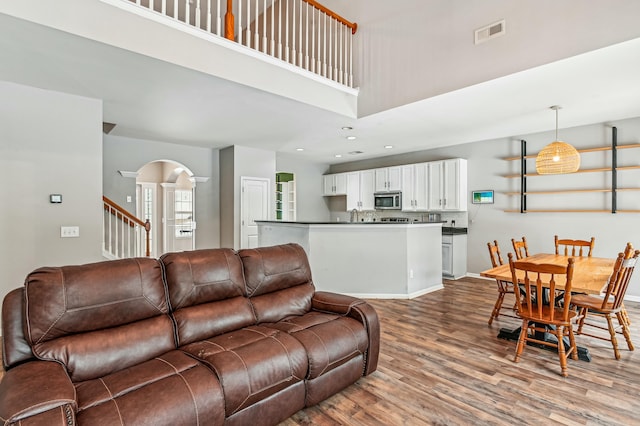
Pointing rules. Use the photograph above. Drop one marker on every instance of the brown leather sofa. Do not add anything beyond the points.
(207, 337)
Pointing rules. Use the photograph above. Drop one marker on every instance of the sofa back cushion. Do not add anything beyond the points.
(278, 281)
(207, 293)
(98, 318)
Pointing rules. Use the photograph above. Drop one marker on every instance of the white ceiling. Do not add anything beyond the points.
(151, 99)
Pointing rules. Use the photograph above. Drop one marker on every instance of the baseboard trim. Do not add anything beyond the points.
(396, 296)
(474, 275)
(630, 298)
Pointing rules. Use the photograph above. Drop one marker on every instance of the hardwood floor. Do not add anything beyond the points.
(441, 364)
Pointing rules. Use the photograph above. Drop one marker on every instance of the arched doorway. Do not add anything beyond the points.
(165, 192)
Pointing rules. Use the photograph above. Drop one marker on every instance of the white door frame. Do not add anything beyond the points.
(155, 214)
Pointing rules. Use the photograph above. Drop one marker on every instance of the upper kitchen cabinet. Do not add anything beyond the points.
(388, 179)
(448, 185)
(335, 184)
(415, 190)
(360, 189)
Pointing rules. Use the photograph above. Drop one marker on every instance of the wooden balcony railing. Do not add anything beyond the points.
(124, 235)
(303, 33)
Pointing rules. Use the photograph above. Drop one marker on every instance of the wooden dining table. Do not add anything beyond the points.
(590, 275)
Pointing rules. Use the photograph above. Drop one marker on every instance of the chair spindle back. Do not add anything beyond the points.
(573, 247)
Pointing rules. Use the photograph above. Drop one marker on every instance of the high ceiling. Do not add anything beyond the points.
(150, 99)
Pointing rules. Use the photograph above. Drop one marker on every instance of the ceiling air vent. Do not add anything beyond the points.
(490, 31)
(355, 152)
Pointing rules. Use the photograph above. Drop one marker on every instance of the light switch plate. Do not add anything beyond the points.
(69, 231)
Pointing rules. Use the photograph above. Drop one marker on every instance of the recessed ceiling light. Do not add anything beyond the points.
(351, 138)
(388, 146)
(299, 149)
(347, 128)
(338, 155)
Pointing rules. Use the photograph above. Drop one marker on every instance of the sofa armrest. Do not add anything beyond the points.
(334, 302)
(34, 389)
(359, 310)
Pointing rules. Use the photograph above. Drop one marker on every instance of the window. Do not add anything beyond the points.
(184, 213)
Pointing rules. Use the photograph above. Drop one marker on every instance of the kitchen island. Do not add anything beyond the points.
(365, 259)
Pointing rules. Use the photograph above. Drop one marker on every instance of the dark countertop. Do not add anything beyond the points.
(377, 222)
(449, 230)
(446, 230)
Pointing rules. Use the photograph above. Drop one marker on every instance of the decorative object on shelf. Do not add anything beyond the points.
(558, 157)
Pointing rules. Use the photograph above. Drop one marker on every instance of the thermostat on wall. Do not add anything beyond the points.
(55, 198)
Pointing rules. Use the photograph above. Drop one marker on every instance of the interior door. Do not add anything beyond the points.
(168, 217)
(254, 205)
(184, 221)
(178, 208)
(146, 209)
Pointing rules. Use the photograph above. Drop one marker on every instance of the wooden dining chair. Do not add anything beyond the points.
(610, 303)
(568, 247)
(539, 317)
(504, 287)
(521, 248)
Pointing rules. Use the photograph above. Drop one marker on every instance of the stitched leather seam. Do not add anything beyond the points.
(113, 400)
(209, 342)
(157, 307)
(288, 358)
(325, 351)
(186, 383)
(65, 401)
(64, 298)
(249, 381)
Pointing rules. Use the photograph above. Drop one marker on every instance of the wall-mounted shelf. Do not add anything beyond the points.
(598, 170)
(570, 191)
(584, 150)
(613, 188)
(562, 211)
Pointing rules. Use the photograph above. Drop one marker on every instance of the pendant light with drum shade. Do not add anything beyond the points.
(558, 157)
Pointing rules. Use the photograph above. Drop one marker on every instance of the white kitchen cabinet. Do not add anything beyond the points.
(454, 255)
(448, 185)
(415, 190)
(388, 179)
(335, 184)
(360, 189)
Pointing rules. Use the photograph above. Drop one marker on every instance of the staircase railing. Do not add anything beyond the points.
(303, 33)
(124, 235)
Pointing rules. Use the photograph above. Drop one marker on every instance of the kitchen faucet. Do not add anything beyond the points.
(353, 215)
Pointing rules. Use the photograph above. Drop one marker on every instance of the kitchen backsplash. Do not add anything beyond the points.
(461, 219)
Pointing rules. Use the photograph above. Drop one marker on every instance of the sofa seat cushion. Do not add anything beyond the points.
(252, 364)
(330, 340)
(172, 389)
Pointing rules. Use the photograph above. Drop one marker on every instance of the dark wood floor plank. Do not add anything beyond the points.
(440, 364)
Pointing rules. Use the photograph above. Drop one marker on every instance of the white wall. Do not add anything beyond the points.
(486, 170)
(49, 143)
(131, 154)
(416, 49)
(311, 205)
(236, 162)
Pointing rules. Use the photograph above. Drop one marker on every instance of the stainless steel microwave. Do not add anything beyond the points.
(388, 200)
